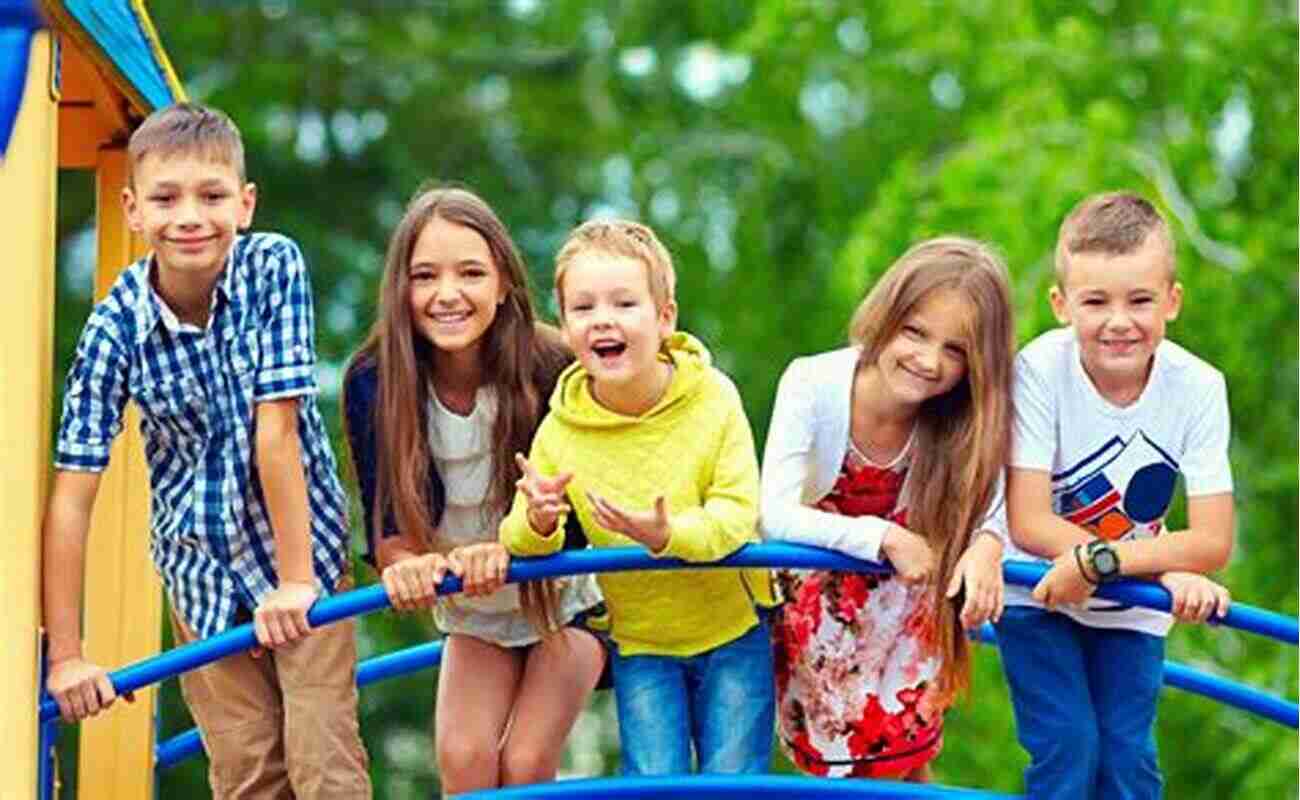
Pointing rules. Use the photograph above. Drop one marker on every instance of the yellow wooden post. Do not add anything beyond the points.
(27, 213)
(123, 598)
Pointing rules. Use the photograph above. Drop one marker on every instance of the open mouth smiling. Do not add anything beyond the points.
(608, 350)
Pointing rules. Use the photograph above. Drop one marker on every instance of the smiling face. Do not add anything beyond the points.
(454, 287)
(926, 357)
(1119, 306)
(611, 321)
(189, 208)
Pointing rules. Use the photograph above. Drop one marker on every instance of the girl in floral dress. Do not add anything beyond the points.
(893, 447)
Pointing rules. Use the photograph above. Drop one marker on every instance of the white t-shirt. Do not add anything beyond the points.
(462, 450)
(1114, 469)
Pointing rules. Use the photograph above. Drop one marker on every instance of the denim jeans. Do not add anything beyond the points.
(722, 701)
(1085, 704)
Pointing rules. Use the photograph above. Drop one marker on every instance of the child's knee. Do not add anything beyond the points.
(1065, 757)
(1131, 771)
(528, 762)
(466, 755)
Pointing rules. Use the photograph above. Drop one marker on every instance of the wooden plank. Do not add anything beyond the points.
(27, 218)
(123, 597)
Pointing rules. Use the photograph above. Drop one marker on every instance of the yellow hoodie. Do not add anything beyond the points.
(696, 449)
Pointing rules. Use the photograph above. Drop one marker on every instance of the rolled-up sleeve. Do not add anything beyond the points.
(288, 332)
(94, 398)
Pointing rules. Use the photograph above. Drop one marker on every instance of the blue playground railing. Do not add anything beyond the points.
(774, 555)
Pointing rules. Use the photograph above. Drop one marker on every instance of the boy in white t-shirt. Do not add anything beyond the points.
(1108, 415)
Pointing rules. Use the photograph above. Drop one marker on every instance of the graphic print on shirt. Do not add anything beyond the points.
(1121, 490)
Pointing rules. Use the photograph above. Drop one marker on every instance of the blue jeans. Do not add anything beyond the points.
(722, 701)
(1085, 704)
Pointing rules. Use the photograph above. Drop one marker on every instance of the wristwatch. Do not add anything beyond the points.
(1103, 559)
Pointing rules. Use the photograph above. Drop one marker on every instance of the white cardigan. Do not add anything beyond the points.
(806, 443)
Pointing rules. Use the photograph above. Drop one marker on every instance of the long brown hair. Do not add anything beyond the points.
(522, 359)
(963, 437)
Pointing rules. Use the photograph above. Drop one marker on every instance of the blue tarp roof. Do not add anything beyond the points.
(121, 31)
(116, 34)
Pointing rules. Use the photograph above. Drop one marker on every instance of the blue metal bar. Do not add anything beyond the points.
(48, 734)
(1225, 691)
(372, 598)
(742, 786)
(1151, 595)
(413, 659)
(771, 554)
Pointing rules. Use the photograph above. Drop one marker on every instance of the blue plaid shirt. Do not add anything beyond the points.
(211, 535)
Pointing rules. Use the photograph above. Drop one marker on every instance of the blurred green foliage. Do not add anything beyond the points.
(788, 151)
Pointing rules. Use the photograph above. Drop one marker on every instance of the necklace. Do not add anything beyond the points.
(879, 453)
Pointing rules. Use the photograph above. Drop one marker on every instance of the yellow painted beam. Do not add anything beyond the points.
(123, 598)
(27, 213)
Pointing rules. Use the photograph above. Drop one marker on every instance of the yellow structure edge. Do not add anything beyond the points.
(123, 595)
(159, 54)
(28, 182)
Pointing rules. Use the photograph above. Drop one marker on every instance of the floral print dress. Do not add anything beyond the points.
(857, 655)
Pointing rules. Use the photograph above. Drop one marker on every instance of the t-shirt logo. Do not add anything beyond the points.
(1122, 489)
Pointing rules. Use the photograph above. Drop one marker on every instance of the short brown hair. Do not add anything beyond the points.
(187, 128)
(1112, 223)
(620, 237)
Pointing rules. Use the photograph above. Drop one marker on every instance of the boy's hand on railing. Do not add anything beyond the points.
(1195, 597)
(281, 617)
(979, 573)
(81, 689)
(481, 567)
(546, 498)
(909, 554)
(1065, 583)
(412, 583)
(651, 528)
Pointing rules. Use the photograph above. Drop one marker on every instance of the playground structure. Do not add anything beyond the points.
(78, 76)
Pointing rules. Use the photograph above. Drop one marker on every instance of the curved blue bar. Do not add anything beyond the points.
(1225, 691)
(772, 554)
(372, 598)
(1152, 595)
(380, 668)
(744, 786)
(1232, 693)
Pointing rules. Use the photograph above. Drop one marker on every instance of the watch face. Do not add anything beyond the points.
(1104, 561)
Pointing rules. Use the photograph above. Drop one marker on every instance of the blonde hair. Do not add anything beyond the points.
(963, 437)
(187, 128)
(1112, 223)
(619, 237)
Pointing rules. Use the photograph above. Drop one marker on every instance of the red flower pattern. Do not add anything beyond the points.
(829, 647)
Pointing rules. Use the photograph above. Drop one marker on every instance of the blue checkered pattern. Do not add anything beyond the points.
(211, 534)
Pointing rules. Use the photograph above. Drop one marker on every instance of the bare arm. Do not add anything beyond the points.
(284, 485)
(1036, 529)
(81, 689)
(397, 547)
(1034, 526)
(67, 524)
(282, 615)
(1203, 547)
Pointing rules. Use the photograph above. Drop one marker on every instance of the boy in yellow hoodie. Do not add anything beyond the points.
(648, 444)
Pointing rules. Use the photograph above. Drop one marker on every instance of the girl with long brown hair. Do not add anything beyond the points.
(451, 382)
(893, 447)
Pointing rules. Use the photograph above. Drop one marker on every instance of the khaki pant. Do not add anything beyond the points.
(283, 725)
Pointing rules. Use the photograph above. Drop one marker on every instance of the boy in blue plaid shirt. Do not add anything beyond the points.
(212, 336)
